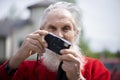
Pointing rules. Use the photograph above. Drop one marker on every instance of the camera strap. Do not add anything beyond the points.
(61, 75)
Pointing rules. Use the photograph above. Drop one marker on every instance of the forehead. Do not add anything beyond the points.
(59, 15)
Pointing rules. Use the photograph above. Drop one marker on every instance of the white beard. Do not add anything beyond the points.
(51, 59)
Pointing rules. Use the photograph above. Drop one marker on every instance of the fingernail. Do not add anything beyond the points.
(61, 51)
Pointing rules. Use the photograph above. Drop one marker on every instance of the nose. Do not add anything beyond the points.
(59, 33)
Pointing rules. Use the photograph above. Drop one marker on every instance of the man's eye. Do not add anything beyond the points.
(52, 28)
(66, 28)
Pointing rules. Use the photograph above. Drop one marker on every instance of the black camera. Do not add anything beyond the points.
(56, 43)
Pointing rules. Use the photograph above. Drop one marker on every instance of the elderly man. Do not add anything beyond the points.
(62, 19)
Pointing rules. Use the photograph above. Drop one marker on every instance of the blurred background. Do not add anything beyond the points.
(100, 35)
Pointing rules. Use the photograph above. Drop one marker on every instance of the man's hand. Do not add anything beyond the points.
(71, 64)
(34, 43)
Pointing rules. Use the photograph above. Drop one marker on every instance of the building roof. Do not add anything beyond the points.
(8, 25)
(43, 3)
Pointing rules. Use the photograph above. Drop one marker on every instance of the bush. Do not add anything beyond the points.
(2, 60)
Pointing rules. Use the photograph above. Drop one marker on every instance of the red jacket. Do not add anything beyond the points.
(93, 70)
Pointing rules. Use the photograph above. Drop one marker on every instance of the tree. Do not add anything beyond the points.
(118, 54)
(84, 46)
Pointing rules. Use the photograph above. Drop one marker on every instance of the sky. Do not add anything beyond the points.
(5, 6)
(101, 21)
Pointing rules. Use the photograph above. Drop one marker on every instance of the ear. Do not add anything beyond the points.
(77, 32)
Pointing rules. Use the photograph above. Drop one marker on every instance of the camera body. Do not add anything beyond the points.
(56, 43)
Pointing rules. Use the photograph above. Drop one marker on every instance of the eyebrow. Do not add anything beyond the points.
(50, 25)
(65, 24)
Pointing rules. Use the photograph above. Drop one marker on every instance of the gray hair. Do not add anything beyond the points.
(76, 13)
(73, 9)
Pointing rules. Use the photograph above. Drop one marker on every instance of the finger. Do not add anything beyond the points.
(68, 51)
(34, 48)
(70, 66)
(69, 58)
(39, 38)
(65, 57)
(66, 66)
(75, 64)
(37, 43)
(45, 45)
(41, 32)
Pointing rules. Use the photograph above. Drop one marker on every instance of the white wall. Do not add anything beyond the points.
(20, 34)
(35, 17)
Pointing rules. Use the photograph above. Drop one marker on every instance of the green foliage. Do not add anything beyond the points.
(2, 60)
(84, 45)
(108, 54)
(86, 50)
(118, 54)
